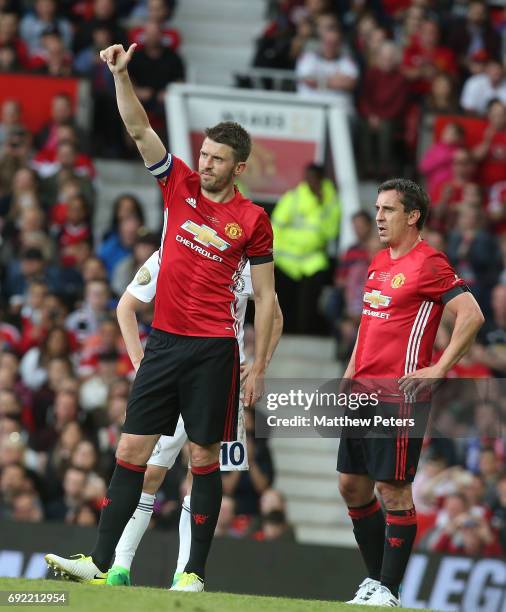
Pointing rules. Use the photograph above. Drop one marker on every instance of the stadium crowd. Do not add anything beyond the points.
(425, 88)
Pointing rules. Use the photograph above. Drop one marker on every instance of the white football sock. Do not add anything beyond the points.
(185, 536)
(134, 530)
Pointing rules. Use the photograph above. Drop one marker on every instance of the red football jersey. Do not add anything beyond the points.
(404, 299)
(204, 247)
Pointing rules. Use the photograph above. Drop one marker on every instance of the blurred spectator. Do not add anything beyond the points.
(84, 321)
(27, 508)
(53, 58)
(65, 410)
(470, 536)
(442, 98)
(453, 191)
(107, 127)
(490, 470)
(85, 515)
(497, 208)
(33, 366)
(67, 165)
(24, 194)
(158, 11)
(13, 156)
(474, 254)
(10, 119)
(20, 272)
(58, 370)
(14, 53)
(493, 334)
(424, 57)
(436, 165)
(104, 16)
(145, 245)
(473, 33)
(62, 113)
(153, 67)
(49, 161)
(94, 391)
(304, 221)
(128, 219)
(329, 70)
(75, 481)
(276, 527)
(480, 89)
(498, 520)
(45, 19)
(490, 153)
(382, 103)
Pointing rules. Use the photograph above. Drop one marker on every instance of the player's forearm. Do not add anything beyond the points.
(131, 110)
(130, 332)
(264, 317)
(467, 325)
(230, 481)
(277, 330)
(350, 370)
(259, 480)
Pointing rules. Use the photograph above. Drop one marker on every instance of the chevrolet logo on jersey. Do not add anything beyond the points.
(205, 235)
(376, 299)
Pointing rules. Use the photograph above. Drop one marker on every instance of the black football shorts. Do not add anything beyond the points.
(192, 376)
(386, 453)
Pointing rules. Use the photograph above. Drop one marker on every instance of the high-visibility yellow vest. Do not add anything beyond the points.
(302, 227)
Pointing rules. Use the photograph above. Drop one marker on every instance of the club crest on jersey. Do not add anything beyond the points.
(376, 299)
(205, 235)
(143, 276)
(192, 202)
(397, 281)
(233, 230)
(239, 285)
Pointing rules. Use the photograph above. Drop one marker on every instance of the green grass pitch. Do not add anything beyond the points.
(89, 598)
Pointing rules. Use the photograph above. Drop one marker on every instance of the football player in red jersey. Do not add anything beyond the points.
(191, 362)
(409, 284)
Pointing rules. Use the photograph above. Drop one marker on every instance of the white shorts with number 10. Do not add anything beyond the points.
(233, 455)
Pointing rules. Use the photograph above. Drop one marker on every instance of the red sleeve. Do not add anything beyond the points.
(438, 281)
(168, 172)
(259, 247)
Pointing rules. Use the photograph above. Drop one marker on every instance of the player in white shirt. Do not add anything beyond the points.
(233, 455)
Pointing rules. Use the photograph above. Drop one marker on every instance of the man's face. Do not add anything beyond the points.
(391, 218)
(217, 166)
(73, 482)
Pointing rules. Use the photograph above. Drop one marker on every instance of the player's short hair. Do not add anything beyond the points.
(233, 135)
(411, 195)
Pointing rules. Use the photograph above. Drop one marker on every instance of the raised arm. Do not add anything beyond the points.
(131, 110)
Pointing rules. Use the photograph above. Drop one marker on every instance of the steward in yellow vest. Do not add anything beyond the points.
(304, 220)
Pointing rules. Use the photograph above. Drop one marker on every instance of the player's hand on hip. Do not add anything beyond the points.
(253, 388)
(117, 58)
(420, 379)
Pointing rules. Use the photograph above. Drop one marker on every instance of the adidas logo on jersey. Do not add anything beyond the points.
(192, 202)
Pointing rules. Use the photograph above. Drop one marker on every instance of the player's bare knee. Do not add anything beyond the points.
(395, 495)
(353, 490)
(153, 479)
(135, 449)
(204, 455)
